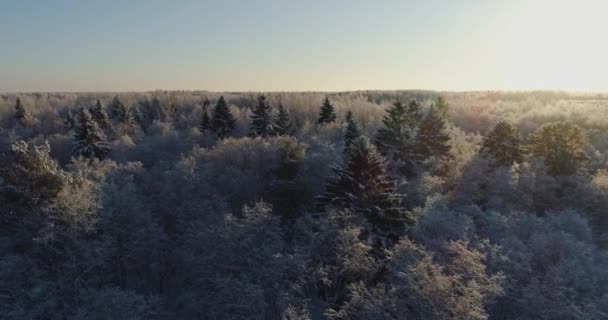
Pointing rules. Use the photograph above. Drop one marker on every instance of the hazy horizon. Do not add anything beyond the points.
(314, 46)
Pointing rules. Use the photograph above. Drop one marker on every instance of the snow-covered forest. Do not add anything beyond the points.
(294, 206)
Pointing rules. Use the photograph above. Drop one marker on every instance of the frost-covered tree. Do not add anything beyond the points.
(89, 140)
(327, 114)
(125, 119)
(395, 139)
(29, 175)
(363, 186)
(20, 113)
(205, 124)
(115, 108)
(98, 113)
(504, 145)
(281, 123)
(352, 131)
(432, 140)
(561, 145)
(261, 119)
(222, 120)
(69, 123)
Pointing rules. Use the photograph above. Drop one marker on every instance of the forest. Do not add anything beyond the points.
(304, 205)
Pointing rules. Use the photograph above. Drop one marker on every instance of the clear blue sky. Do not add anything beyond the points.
(109, 45)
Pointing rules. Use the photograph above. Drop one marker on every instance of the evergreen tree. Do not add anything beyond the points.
(562, 147)
(222, 120)
(504, 144)
(100, 116)
(125, 118)
(442, 107)
(205, 125)
(395, 140)
(89, 139)
(363, 186)
(20, 113)
(282, 125)
(327, 113)
(140, 119)
(432, 140)
(261, 120)
(69, 123)
(399, 129)
(115, 108)
(352, 131)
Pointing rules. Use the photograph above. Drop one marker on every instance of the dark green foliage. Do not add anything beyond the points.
(562, 147)
(504, 144)
(116, 107)
(352, 131)
(396, 139)
(69, 123)
(140, 119)
(89, 140)
(30, 177)
(222, 120)
(98, 113)
(126, 119)
(327, 113)
(363, 186)
(205, 125)
(20, 113)
(261, 119)
(282, 125)
(432, 140)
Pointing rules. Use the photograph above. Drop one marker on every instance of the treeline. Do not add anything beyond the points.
(247, 207)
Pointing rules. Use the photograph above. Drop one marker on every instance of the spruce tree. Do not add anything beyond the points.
(327, 113)
(140, 119)
(282, 125)
(89, 140)
(396, 138)
(205, 125)
(222, 120)
(261, 119)
(69, 123)
(115, 108)
(352, 131)
(400, 124)
(363, 186)
(504, 144)
(20, 113)
(125, 118)
(432, 140)
(98, 113)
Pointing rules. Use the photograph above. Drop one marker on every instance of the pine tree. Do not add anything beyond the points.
(69, 123)
(125, 118)
(352, 131)
(432, 140)
(504, 144)
(89, 141)
(140, 119)
(98, 113)
(327, 113)
(261, 119)
(222, 120)
(400, 124)
(20, 113)
(561, 145)
(115, 108)
(363, 186)
(205, 125)
(396, 139)
(282, 125)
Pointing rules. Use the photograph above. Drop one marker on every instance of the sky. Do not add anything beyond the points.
(311, 45)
